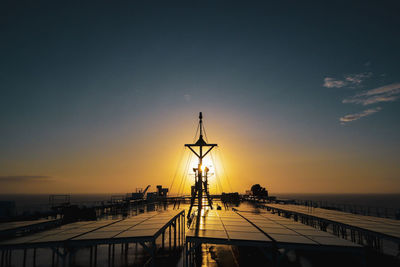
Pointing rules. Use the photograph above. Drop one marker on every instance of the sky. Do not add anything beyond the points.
(101, 96)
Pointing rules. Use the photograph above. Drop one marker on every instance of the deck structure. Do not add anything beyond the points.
(8, 229)
(64, 241)
(361, 229)
(266, 231)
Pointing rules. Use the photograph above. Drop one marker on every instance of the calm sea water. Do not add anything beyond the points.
(40, 202)
(32, 202)
(391, 201)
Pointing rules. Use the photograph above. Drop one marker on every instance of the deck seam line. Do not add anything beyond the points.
(294, 230)
(63, 231)
(93, 230)
(133, 226)
(223, 225)
(258, 228)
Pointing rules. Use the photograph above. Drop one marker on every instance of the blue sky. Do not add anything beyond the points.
(313, 75)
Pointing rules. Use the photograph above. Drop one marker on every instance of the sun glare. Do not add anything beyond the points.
(217, 178)
(207, 162)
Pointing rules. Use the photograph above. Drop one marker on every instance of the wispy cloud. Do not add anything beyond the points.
(350, 80)
(25, 178)
(387, 93)
(332, 83)
(356, 79)
(352, 117)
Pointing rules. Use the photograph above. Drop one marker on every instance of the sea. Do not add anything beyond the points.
(390, 201)
(26, 203)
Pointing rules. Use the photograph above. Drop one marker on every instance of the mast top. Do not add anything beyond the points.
(200, 142)
(201, 126)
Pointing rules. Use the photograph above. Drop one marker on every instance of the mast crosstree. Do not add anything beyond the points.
(201, 174)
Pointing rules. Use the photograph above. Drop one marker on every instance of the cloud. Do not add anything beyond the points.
(356, 79)
(25, 178)
(352, 117)
(350, 80)
(387, 93)
(332, 83)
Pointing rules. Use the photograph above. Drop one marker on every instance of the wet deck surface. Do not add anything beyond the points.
(229, 227)
(132, 241)
(228, 238)
(143, 225)
(384, 226)
(8, 226)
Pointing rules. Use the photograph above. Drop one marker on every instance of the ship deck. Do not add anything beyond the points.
(143, 229)
(382, 227)
(267, 231)
(12, 228)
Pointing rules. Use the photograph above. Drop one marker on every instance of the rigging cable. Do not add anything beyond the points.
(205, 136)
(186, 165)
(216, 172)
(185, 177)
(182, 152)
(184, 173)
(197, 131)
(212, 159)
(223, 166)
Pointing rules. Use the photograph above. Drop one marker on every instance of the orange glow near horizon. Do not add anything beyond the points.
(121, 163)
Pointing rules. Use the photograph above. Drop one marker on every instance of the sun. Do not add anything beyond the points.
(207, 162)
(216, 172)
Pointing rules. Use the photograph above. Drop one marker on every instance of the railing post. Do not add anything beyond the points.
(34, 257)
(52, 257)
(163, 239)
(24, 260)
(95, 256)
(169, 237)
(109, 254)
(175, 234)
(91, 256)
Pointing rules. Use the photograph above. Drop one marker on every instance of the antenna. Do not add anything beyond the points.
(201, 124)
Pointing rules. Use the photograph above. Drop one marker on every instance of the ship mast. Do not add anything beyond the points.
(201, 174)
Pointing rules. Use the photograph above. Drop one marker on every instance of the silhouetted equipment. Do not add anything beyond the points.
(145, 190)
(7, 209)
(259, 192)
(160, 194)
(57, 201)
(139, 194)
(230, 198)
(201, 174)
(117, 199)
(74, 213)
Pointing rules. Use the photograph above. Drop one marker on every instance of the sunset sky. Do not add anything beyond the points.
(102, 96)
